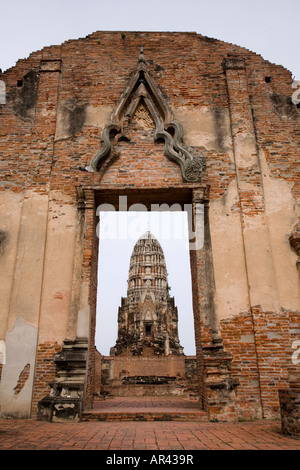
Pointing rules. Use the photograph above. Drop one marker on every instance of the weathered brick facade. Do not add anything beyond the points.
(236, 112)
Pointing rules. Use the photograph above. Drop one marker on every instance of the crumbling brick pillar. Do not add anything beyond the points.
(65, 400)
(36, 104)
(260, 270)
(219, 384)
(215, 383)
(72, 387)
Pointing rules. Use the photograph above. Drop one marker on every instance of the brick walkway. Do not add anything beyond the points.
(145, 409)
(146, 403)
(39, 435)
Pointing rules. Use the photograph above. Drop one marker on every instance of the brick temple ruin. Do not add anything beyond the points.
(161, 118)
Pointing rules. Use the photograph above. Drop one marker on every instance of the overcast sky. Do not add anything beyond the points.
(267, 27)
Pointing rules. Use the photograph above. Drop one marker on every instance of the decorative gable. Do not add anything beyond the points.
(143, 102)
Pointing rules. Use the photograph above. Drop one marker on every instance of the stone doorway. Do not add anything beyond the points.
(119, 233)
(144, 329)
(74, 388)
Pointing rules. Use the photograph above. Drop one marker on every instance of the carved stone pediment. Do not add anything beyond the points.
(143, 101)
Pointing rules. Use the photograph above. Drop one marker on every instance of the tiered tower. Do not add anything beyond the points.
(148, 317)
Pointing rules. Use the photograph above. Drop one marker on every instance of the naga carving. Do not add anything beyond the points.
(142, 89)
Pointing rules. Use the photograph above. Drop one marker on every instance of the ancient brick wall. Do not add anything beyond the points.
(44, 372)
(236, 109)
(152, 376)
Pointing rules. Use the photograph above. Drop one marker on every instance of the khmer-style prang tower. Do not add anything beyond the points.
(147, 318)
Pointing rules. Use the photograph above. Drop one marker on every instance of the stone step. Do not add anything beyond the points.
(146, 390)
(145, 409)
(94, 415)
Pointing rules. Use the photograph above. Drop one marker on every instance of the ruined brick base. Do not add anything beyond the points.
(261, 347)
(290, 411)
(147, 376)
(58, 409)
(45, 372)
(65, 400)
(220, 386)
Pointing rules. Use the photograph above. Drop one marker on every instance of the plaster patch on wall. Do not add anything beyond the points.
(271, 264)
(24, 96)
(72, 116)
(282, 212)
(2, 352)
(10, 213)
(278, 191)
(98, 116)
(245, 149)
(83, 323)
(284, 107)
(3, 240)
(29, 261)
(17, 373)
(247, 338)
(206, 127)
(58, 267)
(228, 255)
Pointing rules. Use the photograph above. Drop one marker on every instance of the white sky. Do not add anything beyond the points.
(267, 27)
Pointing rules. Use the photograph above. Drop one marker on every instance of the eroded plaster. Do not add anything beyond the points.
(72, 116)
(231, 295)
(206, 127)
(248, 273)
(58, 267)
(10, 218)
(18, 370)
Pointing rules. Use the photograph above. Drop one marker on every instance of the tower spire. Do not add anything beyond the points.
(148, 317)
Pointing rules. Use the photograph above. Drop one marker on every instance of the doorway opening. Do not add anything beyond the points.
(148, 330)
(118, 233)
(133, 350)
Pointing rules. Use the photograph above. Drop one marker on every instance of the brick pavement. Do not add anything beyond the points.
(17, 434)
(145, 403)
(145, 409)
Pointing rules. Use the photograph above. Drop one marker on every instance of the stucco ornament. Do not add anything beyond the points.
(143, 91)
